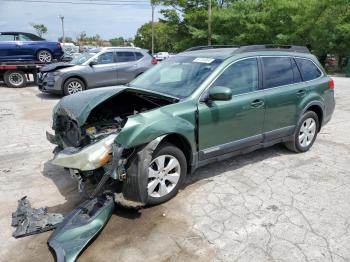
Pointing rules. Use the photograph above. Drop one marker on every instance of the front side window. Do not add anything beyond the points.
(177, 76)
(277, 71)
(7, 38)
(241, 77)
(105, 58)
(308, 69)
(125, 56)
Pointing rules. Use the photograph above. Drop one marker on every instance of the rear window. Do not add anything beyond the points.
(138, 55)
(125, 56)
(308, 69)
(277, 71)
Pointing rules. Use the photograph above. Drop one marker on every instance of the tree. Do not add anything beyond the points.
(40, 29)
(312, 23)
(66, 38)
(118, 41)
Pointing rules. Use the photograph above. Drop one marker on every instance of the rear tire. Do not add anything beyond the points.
(305, 133)
(72, 86)
(44, 56)
(15, 78)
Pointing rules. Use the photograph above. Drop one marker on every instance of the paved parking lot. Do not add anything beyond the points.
(269, 205)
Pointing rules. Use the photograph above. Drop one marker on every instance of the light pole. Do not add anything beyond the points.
(153, 6)
(62, 24)
(209, 22)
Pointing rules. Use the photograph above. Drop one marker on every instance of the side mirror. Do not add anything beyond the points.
(92, 63)
(220, 93)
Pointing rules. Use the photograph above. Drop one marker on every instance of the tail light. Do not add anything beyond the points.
(154, 61)
(331, 84)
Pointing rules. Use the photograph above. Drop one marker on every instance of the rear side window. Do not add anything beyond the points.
(308, 69)
(125, 56)
(138, 55)
(7, 38)
(278, 71)
(24, 38)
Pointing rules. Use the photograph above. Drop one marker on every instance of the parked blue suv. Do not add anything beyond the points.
(18, 46)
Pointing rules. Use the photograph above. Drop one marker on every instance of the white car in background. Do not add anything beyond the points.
(69, 49)
(161, 56)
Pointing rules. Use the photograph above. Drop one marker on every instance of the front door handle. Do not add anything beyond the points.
(301, 93)
(257, 103)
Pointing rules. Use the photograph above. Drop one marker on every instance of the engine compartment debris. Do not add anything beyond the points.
(29, 221)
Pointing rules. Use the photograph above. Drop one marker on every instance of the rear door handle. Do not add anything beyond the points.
(301, 93)
(257, 103)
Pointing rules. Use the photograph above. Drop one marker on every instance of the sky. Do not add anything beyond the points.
(108, 21)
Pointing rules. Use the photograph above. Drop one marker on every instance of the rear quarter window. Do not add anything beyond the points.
(308, 69)
(278, 71)
(138, 55)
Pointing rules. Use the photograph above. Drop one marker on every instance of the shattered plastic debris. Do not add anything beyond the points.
(29, 221)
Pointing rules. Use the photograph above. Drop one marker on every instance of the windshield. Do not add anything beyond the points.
(81, 58)
(178, 76)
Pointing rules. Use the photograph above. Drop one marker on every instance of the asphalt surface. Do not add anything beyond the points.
(269, 205)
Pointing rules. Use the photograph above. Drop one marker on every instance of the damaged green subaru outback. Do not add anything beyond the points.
(202, 105)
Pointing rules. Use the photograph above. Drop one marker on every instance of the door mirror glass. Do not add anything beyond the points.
(220, 93)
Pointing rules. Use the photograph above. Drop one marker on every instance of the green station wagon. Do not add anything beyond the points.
(200, 106)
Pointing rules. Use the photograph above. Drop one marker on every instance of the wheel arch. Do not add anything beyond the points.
(318, 108)
(43, 49)
(183, 144)
(74, 76)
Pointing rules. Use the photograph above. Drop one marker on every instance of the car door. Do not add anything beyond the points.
(103, 70)
(7, 47)
(26, 47)
(127, 68)
(225, 126)
(283, 91)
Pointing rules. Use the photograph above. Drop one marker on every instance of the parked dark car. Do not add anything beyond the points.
(96, 68)
(18, 46)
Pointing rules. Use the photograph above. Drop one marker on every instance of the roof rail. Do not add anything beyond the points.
(272, 47)
(203, 47)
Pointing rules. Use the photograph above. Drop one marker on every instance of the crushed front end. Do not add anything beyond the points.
(86, 127)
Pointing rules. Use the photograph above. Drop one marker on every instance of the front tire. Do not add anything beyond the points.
(305, 133)
(72, 86)
(44, 56)
(166, 173)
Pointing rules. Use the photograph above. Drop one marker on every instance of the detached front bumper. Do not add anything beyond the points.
(88, 158)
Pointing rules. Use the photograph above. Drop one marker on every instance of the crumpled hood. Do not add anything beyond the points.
(55, 66)
(78, 106)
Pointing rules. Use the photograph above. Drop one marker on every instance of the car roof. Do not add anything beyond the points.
(216, 53)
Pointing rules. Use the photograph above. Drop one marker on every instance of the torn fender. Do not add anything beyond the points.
(80, 226)
(135, 185)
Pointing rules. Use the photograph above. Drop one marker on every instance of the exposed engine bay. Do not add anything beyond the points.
(107, 118)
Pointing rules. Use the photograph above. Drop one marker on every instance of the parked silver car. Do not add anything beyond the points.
(96, 68)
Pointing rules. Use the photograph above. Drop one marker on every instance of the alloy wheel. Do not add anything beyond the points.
(163, 175)
(307, 132)
(74, 87)
(44, 56)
